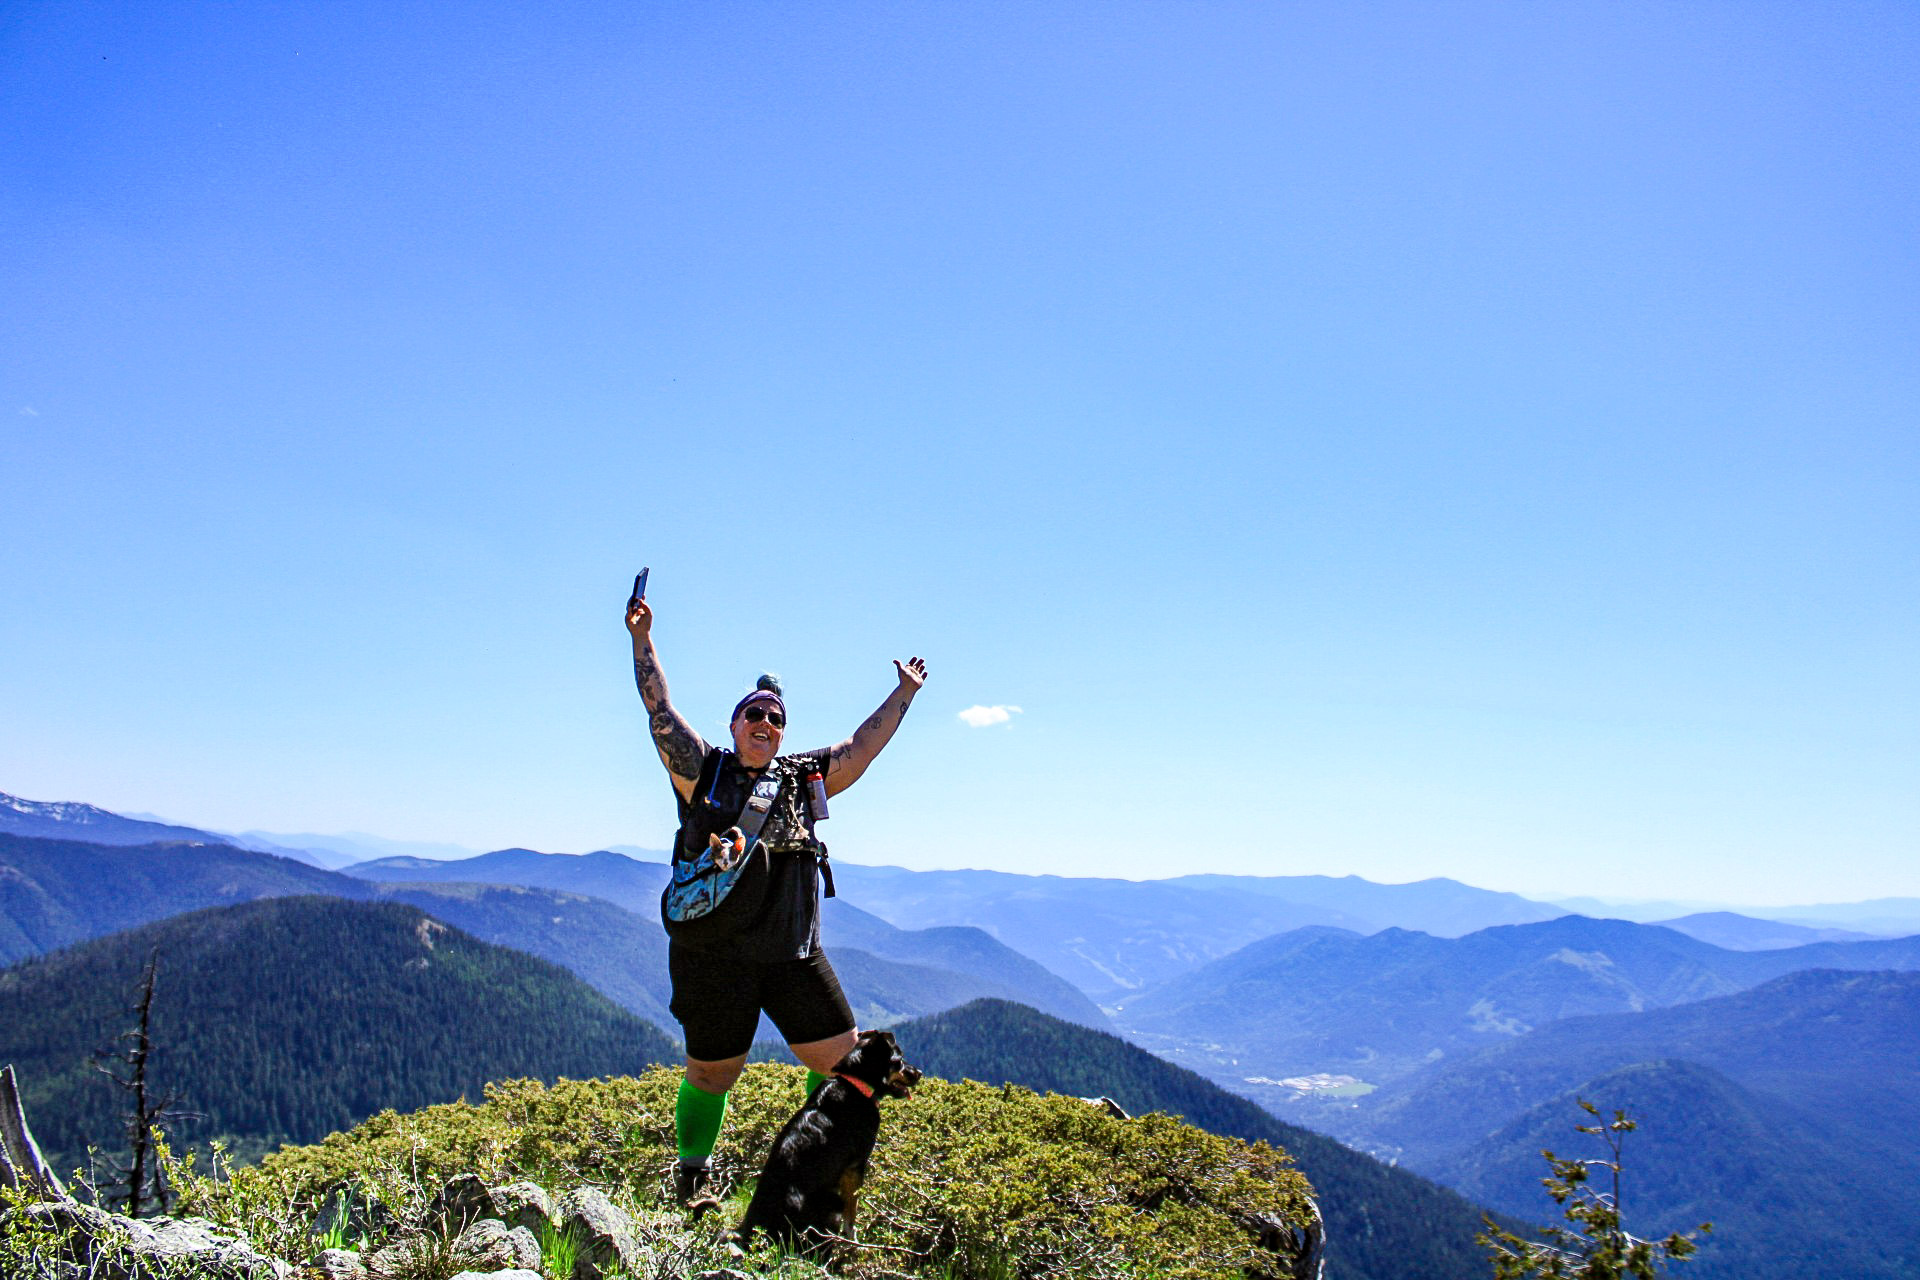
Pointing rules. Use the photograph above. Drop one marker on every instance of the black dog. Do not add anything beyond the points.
(807, 1190)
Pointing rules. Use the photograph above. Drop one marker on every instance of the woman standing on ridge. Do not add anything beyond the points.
(773, 963)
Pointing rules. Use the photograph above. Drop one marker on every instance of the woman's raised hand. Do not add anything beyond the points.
(913, 673)
(639, 617)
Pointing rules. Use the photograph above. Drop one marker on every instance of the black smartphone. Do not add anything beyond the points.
(640, 585)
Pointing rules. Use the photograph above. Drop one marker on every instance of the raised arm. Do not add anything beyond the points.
(850, 759)
(680, 748)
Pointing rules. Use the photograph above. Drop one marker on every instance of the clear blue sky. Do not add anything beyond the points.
(1407, 440)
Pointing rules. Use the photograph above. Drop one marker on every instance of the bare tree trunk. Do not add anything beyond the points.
(21, 1164)
(147, 1110)
(143, 1115)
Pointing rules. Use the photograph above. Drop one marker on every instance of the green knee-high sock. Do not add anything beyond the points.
(814, 1081)
(697, 1117)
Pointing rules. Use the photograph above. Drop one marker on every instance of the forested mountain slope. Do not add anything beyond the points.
(288, 1018)
(1840, 1045)
(1788, 1200)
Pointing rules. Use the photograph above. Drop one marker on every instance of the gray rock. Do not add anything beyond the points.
(464, 1199)
(522, 1204)
(499, 1275)
(111, 1247)
(602, 1231)
(338, 1264)
(491, 1245)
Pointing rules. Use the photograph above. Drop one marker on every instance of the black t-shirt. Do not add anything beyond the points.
(789, 927)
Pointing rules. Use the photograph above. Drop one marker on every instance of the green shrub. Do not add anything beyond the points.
(969, 1182)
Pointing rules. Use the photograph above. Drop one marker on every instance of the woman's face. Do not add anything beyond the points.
(757, 741)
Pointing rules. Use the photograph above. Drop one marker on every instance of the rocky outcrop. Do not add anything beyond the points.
(468, 1199)
(338, 1264)
(602, 1232)
(489, 1244)
(107, 1246)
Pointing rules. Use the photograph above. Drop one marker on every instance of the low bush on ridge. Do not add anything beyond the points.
(969, 1181)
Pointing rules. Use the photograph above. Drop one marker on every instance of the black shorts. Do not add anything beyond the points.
(718, 1000)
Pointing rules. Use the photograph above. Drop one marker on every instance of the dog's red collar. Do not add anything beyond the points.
(861, 1085)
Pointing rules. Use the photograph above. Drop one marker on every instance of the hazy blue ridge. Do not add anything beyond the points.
(71, 820)
(1384, 1005)
(1738, 932)
(57, 892)
(1787, 1200)
(289, 1018)
(945, 967)
(1842, 1045)
(1001, 971)
(1109, 938)
(623, 881)
(1885, 916)
(1443, 907)
(1383, 1223)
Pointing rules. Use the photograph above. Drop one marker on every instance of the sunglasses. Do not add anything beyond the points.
(754, 715)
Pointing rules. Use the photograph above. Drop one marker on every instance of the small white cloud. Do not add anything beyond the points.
(981, 717)
(28, 411)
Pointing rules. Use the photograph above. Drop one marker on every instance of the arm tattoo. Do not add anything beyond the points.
(646, 678)
(679, 745)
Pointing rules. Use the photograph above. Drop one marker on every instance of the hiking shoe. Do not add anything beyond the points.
(691, 1182)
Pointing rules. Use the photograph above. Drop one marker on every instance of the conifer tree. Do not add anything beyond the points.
(1598, 1246)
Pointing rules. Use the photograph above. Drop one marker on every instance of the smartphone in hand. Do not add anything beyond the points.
(640, 585)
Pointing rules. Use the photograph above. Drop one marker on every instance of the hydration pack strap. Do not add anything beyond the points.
(826, 867)
(753, 814)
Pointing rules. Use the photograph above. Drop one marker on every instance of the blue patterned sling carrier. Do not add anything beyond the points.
(722, 889)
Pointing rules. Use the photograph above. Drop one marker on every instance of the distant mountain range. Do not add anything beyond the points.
(1383, 1006)
(1744, 933)
(944, 966)
(1107, 937)
(615, 877)
(1876, 917)
(50, 897)
(1442, 907)
(68, 820)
